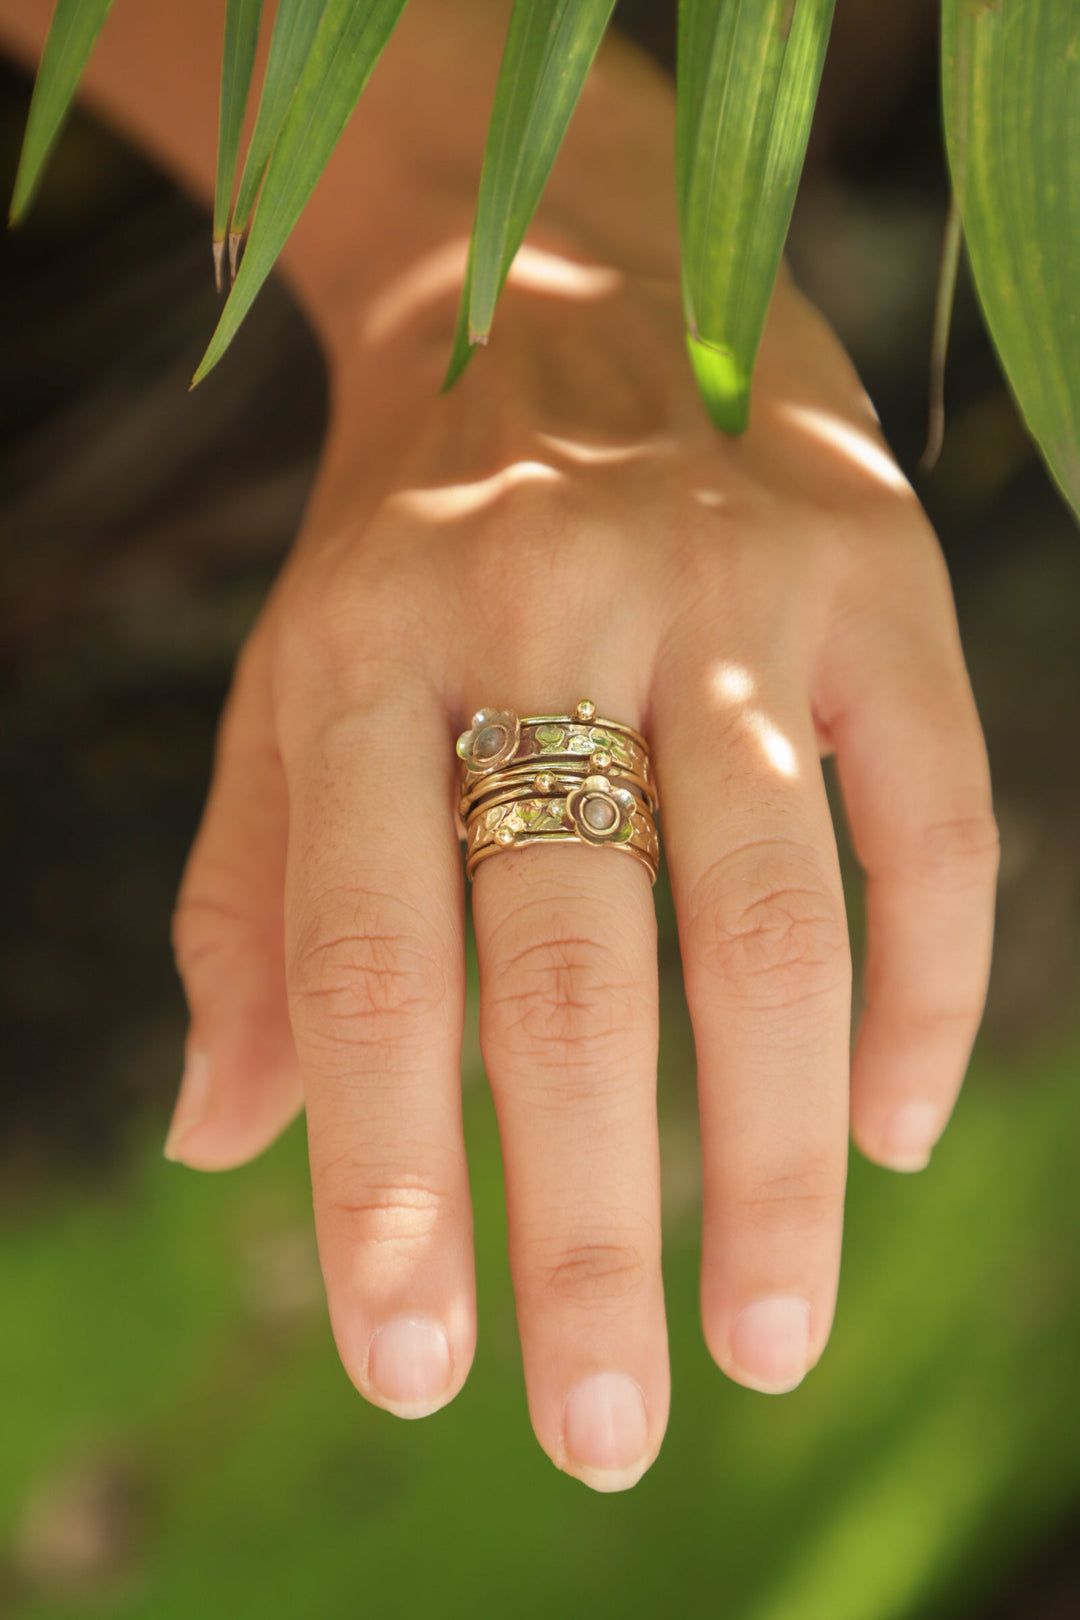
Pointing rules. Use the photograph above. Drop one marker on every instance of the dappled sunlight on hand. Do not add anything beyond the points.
(609, 455)
(732, 687)
(857, 448)
(442, 271)
(448, 501)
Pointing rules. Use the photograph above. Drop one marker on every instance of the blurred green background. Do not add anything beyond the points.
(176, 1434)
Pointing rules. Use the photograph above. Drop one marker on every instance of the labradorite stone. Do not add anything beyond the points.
(600, 814)
(489, 742)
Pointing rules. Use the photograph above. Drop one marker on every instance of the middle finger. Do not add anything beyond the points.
(566, 943)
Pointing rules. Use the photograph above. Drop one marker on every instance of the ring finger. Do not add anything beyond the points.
(566, 942)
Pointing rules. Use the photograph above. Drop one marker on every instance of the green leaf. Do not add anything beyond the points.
(1011, 88)
(237, 63)
(295, 27)
(747, 81)
(75, 26)
(349, 42)
(550, 46)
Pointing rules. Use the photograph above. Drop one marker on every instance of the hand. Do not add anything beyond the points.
(567, 523)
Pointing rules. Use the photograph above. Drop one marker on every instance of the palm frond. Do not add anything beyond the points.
(295, 27)
(1011, 89)
(747, 80)
(549, 49)
(350, 39)
(242, 19)
(73, 31)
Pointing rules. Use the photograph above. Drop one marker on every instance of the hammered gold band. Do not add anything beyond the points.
(556, 778)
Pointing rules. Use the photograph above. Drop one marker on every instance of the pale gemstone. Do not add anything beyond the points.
(600, 814)
(489, 742)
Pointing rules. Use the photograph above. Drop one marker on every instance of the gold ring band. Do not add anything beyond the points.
(527, 786)
(499, 738)
(525, 782)
(556, 779)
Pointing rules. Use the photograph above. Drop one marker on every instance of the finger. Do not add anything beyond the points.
(375, 954)
(241, 1084)
(566, 943)
(757, 891)
(916, 785)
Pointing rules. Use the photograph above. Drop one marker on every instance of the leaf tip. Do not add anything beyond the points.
(236, 243)
(724, 383)
(458, 361)
(21, 197)
(206, 365)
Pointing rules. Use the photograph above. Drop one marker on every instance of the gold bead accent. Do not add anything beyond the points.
(544, 783)
(505, 835)
(601, 760)
(585, 711)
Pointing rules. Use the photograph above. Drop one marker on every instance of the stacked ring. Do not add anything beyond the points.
(556, 778)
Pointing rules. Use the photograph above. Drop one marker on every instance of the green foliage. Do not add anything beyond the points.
(75, 26)
(177, 1319)
(295, 26)
(237, 63)
(747, 82)
(1011, 84)
(549, 50)
(349, 41)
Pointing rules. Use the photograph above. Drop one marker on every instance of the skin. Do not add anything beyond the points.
(567, 523)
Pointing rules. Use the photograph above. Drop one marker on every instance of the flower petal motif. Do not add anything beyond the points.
(600, 813)
(491, 740)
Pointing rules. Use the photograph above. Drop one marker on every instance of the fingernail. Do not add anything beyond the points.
(409, 1366)
(606, 1432)
(910, 1136)
(770, 1344)
(191, 1105)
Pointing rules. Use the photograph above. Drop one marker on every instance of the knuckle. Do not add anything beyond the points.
(385, 1213)
(369, 976)
(208, 928)
(583, 1272)
(793, 1197)
(344, 638)
(768, 927)
(958, 852)
(942, 1023)
(562, 998)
